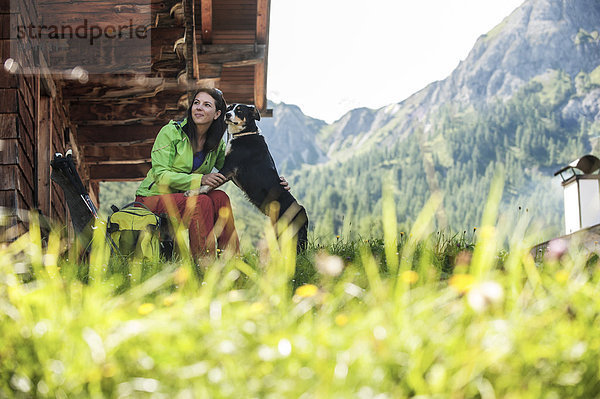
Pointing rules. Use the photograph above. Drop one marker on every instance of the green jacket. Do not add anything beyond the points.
(172, 160)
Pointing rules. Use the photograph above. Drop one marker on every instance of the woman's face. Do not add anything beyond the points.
(204, 110)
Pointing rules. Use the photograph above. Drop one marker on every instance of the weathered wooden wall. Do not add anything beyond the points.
(33, 122)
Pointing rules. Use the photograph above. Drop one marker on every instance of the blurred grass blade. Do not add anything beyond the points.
(390, 226)
(484, 255)
(372, 272)
(420, 229)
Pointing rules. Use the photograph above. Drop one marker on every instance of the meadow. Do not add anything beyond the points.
(422, 313)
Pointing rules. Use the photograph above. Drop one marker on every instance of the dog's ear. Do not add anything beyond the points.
(255, 113)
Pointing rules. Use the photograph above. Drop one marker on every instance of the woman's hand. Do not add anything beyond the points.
(213, 180)
(284, 183)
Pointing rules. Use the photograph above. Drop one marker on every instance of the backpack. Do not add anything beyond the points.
(134, 231)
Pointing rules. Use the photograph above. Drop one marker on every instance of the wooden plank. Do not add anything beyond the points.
(152, 107)
(25, 132)
(59, 123)
(44, 150)
(26, 86)
(9, 199)
(58, 210)
(11, 126)
(117, 134)
(234, 36)
(27, 115)
(123, 18)
(97, 154)
(4, 50)
(262, 21)
(8, 100)
(8, 126)
(260, 87)
(119, 173)
(10, 151)
(4, 26)
(12, 178)
(27, 94)
(232, 54)
(150, 120)
(14, 154)
(101, 90)
(94, 192)
(206, 12)
(14, 226)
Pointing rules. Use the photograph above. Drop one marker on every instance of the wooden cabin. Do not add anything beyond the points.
(107, 101)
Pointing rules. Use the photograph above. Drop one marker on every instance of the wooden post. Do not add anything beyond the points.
(263, 10)
(44, 149)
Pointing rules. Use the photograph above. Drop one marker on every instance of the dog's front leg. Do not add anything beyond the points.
(197, 191)
(204, 188)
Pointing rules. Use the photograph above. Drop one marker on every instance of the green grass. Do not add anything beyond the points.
(424, 313)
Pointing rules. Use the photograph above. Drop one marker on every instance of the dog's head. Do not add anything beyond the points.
(241, 118)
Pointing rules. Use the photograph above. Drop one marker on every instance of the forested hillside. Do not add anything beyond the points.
(458, 151)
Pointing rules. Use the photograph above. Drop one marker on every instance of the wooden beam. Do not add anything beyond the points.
(263, 11)
(231, 55)
(195, 32)
(260, 86)
(119, 173)
(124, 163)
(112, 154)
(262, 21)
(110, 124)
(157, 107)
(123, 18)
(44, 149)
(116, 135)
(189, 42)
(100, 89)
(206, 13)
(94, 192)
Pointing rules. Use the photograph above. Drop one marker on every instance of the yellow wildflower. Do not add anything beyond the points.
(562, 276)
(409, 276)
(169, 300)
(341, 320)
(181, 275)
(146, 308)
(462, 283)
(307, 290)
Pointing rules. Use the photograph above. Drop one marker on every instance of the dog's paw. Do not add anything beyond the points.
(197, 191)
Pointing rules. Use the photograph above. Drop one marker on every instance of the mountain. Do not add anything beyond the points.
(290, 129)
(540, 35)
(526, 100)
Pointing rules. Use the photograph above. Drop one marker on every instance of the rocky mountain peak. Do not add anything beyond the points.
(539, 35)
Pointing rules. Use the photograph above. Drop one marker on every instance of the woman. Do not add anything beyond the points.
(183, 156)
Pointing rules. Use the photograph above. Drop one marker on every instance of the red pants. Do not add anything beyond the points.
(205, 215)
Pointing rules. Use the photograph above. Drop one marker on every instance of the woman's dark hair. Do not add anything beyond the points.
(217, 128)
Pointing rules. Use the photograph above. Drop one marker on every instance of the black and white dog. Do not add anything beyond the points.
(249, 164)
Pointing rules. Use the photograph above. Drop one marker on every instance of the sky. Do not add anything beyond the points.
(331, 56)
